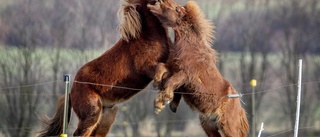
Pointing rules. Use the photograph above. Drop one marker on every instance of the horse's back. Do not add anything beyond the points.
(121, 71)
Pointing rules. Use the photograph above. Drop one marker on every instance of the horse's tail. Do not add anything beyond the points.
(53, 126)
(244, 123)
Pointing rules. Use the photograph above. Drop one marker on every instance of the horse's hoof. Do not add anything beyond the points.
(157, 111)
(173, 108)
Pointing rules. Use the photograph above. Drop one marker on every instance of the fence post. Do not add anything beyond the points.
(253, 83)
(66, 101)
(261, 128)
(296, 127)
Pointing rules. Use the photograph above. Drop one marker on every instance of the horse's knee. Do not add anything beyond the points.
(168, 95)
(161, 71)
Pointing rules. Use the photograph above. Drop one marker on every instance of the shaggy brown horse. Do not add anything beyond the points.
(131, 63)
(191, 69)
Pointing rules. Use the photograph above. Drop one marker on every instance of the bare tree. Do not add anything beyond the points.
(295, 41)
(20, 68)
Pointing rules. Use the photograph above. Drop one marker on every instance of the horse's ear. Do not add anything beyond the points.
(130, 24)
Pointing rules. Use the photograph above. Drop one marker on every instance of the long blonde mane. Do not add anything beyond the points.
(130, 22)
(201, 25)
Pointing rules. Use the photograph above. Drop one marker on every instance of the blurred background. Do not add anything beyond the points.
(40, 40)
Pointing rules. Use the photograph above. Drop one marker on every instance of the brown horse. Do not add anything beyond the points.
(131, 63)
(191, 70)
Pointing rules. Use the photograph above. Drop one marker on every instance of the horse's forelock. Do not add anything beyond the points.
(130, 22)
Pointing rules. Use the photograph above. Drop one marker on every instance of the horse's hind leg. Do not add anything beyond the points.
(234, 121)
(88, 108)
(210, 127)
(106, 121)
(236, 124)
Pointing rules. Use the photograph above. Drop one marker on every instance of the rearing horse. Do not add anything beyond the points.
(131, 62)
(191, 70)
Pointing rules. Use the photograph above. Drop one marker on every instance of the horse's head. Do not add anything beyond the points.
(168, 12)
(188, 19)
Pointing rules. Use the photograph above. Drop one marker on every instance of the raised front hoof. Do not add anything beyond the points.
(158, 107)
(173, 108)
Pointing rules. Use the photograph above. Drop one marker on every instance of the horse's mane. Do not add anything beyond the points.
(203, 27)
(130, 24)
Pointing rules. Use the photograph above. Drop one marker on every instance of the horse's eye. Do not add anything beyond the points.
(177, 9)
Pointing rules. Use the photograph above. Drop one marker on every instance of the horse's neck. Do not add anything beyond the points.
(189, 47)
(177, 35)
(184, 33)
(153, 28)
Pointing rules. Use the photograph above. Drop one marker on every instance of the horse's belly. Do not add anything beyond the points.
(201, 103)
(124, 91)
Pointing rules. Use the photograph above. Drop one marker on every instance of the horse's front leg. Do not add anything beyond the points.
(165, 96)
(160, 71)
